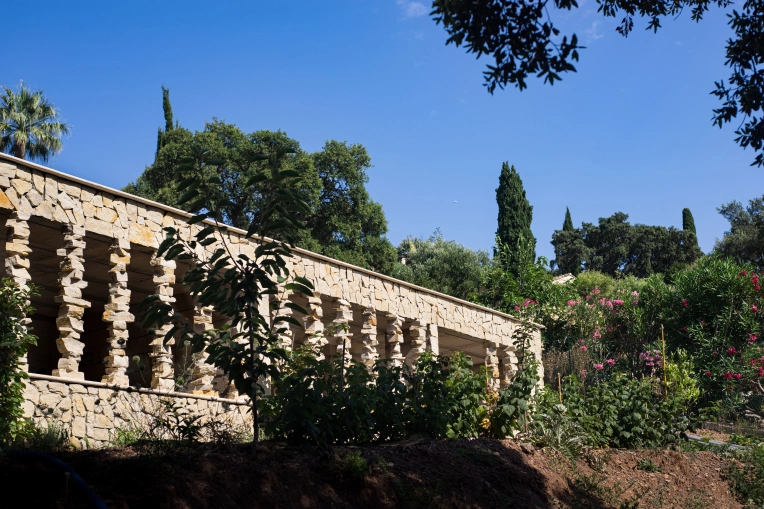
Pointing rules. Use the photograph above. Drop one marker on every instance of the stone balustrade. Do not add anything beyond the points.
(91, 250)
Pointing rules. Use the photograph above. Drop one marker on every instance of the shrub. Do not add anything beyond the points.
(15, 340)
(745, 476)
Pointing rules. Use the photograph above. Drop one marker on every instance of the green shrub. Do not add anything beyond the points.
(15, 340)
(51, 437)
(557, 431)
(746, 474)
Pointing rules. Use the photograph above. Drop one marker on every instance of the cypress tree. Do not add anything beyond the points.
(567, 225)
(515, 216)
(688, 223)
(167, 107)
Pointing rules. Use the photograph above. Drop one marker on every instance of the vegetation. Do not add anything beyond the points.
(341, 219)
(616, 246)
(523, 40)
(15, 340)
(515, 216)
(745, 239)
(30, 126)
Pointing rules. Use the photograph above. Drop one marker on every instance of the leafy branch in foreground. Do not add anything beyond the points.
(234, 285)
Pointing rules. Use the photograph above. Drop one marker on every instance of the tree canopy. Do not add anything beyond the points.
(30, 125)
(515, 217)
(523, 40)
(616, 246)
(343, 222)
(745, 239)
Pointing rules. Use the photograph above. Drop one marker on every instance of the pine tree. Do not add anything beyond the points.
(688, 223)
(567, 226)
(515, 216)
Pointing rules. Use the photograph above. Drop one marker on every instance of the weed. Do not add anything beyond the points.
(648, 466)
(355, 465)
(50, 438)
(125, 435)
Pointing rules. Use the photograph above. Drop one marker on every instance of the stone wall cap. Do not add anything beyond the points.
(183, 213)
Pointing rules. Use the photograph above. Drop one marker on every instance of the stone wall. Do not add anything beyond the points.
(91, 412)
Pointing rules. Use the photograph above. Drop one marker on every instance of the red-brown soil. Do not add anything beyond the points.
(424, 474)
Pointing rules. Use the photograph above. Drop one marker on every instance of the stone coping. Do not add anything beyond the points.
(183, 213)
(129, 388)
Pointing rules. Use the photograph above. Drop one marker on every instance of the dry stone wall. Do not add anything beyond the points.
(92, 412)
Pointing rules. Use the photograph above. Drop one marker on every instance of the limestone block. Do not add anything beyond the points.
(7, 170)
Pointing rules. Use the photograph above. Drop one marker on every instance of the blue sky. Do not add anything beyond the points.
(631, 131)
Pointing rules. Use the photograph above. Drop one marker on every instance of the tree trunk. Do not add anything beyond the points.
(20, 149)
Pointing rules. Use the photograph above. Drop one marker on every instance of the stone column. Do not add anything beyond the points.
(492, 365)
(314, 327)
(418, 335)
(369, 337)
(162, 370)
(69, 321)
(117, 314)
(203, 373)
(394, 339)
(343, 315)
(16, 262)
(432, 339)
(508, 365)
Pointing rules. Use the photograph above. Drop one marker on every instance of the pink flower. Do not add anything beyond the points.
(752, 338)
(581, 340)
(731, 351)
(755, 279)
(584, 373)
(599, 367)
(708, 373)
(618, 302)
(571, 303)
(684, 302)
(597, 335)
(610, 362)
(756, 287)
(517, 308)
(583, 348)
(635, 294)
(588, 297)
(743, 273)
(610, 304)
(761, 372)
(596, 291)
(754, 308)
(737, 376)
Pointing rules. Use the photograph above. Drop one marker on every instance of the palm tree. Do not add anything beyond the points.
(30, 125)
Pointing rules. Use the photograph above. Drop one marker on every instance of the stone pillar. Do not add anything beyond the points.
(343, 315)
(16, 262)
(117, 314)
(432, 339)
(314, 327)
(69, 321)
(369, 337)
(418, 335)
(492, 365)
(162, 370)
(203, 373)
(394, 339)
(508, 365)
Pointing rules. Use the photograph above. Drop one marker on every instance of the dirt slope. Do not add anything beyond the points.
(425, 474)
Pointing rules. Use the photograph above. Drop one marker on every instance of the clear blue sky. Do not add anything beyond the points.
(631, 131)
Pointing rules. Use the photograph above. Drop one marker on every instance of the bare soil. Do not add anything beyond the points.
(415, 474)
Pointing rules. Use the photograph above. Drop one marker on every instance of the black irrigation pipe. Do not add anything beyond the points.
(92, 499)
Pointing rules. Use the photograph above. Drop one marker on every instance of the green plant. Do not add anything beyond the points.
(125, 435)
(15, 340)
(680, 371)
(557, 431)
(231, 282)
(355, 465)
(745, 475)
(647, 466)
(51, 437)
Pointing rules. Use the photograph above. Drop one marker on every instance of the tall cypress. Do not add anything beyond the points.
(567, 225)
(167, 107)
(688, 222)
(517, 243)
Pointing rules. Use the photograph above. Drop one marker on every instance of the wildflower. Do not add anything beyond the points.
(737, 376)
(610, 362)
(684, 302)
(754, 308)
(752, 338)
(583, 348)
(618, 302)
(599, 367)
(571, 303)
(731, 351)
